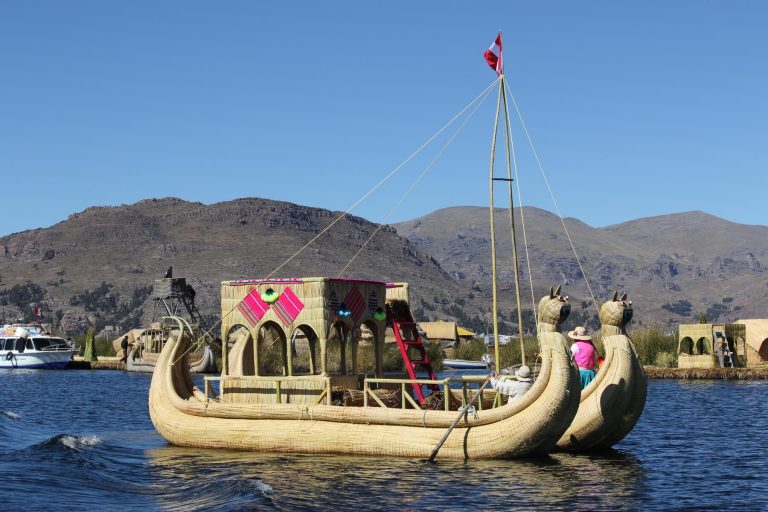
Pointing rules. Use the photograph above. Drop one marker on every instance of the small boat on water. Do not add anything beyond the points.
(145, 346)
(30, 346)
(464, 364)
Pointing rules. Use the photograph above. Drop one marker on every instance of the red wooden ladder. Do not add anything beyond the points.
(407, 336)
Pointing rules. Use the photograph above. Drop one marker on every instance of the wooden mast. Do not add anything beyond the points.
(512, 222)
(502, 99)
(493, 235)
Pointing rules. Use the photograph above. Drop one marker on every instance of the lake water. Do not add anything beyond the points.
(78, 439)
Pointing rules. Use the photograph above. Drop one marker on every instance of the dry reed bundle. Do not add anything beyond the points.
(707, 373)
(436, 402)
(399, 307)
(354, 398)
(397, 291)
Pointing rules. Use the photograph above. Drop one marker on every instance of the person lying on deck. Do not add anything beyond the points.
(513, 388)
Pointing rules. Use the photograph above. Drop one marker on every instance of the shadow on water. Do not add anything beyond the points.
(289, 482)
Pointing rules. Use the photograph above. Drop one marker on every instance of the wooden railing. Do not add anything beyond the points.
(368, 392)
(278, 380)
(406, 399)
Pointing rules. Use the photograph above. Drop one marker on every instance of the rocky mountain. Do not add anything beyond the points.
(97, 267)
(674, 267)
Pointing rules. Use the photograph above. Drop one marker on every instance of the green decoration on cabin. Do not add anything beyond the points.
(269, 296)
(90, 346)
(379, 315)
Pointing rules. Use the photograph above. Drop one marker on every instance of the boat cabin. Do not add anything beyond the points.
(299, 340)
(23, 337)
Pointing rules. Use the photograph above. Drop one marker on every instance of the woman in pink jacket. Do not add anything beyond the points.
(585, 355)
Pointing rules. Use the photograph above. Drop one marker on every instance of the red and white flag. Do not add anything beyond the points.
(36, 311)
(493, 56)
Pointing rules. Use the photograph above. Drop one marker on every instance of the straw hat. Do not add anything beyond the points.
(523, 373)
(579, 333)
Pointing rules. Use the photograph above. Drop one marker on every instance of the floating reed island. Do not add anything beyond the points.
(654, 372)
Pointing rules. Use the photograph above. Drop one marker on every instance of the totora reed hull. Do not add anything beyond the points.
(612, 403)
(530, 425)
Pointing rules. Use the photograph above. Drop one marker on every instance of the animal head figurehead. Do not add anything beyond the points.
(553, 308)
(617, 311)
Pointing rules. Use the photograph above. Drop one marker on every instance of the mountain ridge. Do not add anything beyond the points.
(96, 266)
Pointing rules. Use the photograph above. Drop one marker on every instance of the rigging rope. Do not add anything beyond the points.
(416, 182)
(342, 215)
(522, 222)
(552, 195)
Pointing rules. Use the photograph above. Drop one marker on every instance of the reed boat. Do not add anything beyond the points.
(290, 381)
(141, 361)
(292, 411)
(146, 345)
(612, 403)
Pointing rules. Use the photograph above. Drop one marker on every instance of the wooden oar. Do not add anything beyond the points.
(456, 421)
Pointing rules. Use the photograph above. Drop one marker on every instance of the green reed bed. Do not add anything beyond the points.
(654, 347)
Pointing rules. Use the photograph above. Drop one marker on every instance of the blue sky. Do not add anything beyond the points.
(636, 109)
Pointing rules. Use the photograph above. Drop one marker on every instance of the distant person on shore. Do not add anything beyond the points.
(513, 388)
(124, 346)
(585, 355)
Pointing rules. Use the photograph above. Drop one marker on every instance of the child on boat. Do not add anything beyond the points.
(513, 388)
(585, 354)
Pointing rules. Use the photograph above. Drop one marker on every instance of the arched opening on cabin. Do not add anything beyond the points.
(240, 359)
(368, 355)
(686, 346)
(763, 352)
(341, 350)
(698, 349)
(304, 351)
(272, 353)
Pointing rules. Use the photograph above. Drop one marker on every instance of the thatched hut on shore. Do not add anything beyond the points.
(741, 344)
(756, 341)
(704, 345)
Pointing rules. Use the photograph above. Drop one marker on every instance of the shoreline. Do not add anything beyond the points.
(654, 372)
(107, 363)
(651, 372)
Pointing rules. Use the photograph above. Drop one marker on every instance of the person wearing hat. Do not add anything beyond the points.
(513, 388)
(585, 354)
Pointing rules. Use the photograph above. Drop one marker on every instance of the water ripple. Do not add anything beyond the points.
(698, 445)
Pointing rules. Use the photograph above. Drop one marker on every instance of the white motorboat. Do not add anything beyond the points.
(29, 346)
(464, 364)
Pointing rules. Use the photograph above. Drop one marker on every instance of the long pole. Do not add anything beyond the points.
(493, 235)
(463, 412)
(510, 150)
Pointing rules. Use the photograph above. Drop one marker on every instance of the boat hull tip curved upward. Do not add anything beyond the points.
(613, 402)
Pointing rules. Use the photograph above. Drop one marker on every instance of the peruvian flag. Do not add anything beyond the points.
(493, 56)
(36, 311)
